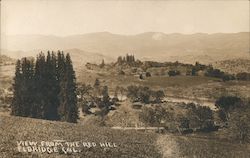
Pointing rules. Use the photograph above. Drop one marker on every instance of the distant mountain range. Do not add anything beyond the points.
(79, 57)
(150, 45)
(5, 60)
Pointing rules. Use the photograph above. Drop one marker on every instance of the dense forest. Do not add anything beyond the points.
(45, 88)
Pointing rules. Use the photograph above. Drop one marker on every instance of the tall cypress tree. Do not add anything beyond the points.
(105, 97)
(50, 109)
(27, 88)
(68, 99)
(60, 76)
(55, 89)
(46, 90)
(37, 108)
(16, 108)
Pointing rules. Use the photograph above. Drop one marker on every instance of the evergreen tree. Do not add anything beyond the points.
(68, 99)
(105, 97)
(50, 109)
(60, 65)
(102, 64)
(97, 83)
(37, 108)
(27, 89)
(47, 89)
(119, 60)
(16, 108)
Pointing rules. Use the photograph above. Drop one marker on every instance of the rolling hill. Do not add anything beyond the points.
(5, 60)
(153, 45)
(79, 57)
(233, 66)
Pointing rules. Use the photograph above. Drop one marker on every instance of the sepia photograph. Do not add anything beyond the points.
(124, 78)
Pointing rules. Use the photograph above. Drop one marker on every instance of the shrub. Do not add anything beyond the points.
(154, 116)
(200, 117)
(239, 124)
(173, 73)
(243, 76)
(144, 94)
(148, 74)
(141, 77)
(227, 103)
(183, 122)
(158, 95)
(228, 77)
(214, 73)
(132, 93)
(121, 72)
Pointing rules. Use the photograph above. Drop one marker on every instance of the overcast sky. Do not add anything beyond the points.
(67, 17)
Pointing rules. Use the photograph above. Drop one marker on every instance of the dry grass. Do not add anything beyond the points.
(211, 148)
(130, 143)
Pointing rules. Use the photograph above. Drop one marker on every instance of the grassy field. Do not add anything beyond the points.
(210, 148)
(180, 86)
(199, 87)
(179, 81)
(131, 144)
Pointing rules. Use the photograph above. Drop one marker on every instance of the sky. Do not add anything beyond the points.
(69, 17)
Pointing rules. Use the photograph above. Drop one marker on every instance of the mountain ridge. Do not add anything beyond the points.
(149, 44)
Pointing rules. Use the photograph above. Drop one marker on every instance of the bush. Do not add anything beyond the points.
(200, 117)
(95, 97)
(173, 73)
(148, 74)
(158, 95)
(227, 103)
(228, 77)
(214, 73)
(222, 115)
(243, 76)
(141, 77)
(154, 116)
(239, 124)
(219, 74)
(121, 72)
(183, 122)
(144, 94)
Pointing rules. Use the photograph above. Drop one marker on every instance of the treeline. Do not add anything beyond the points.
(144, 94)
(242, 76)
(45, 88)
(126, 59)
(95, 97)
(209, 71)
(197, 118)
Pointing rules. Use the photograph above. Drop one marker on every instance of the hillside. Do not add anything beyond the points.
(129, 143)
(233, 66)
(163, 46)
(80, 57)
(5, 60)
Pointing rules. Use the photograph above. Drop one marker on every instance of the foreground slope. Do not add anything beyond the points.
(130, 144)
